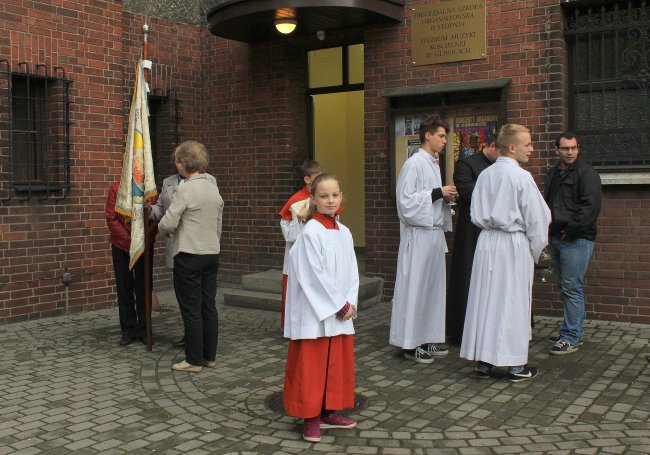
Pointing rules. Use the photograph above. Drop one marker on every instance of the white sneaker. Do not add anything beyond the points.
(184, 366)
(435, 349)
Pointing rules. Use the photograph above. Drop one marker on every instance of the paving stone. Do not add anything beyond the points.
(88, 395)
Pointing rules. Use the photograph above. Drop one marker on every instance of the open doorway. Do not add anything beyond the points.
(336, 90)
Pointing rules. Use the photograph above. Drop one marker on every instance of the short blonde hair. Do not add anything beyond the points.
(507, 135)
(193, 156)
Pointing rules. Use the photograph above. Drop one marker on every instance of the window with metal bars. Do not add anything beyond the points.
(609, 74)
(34, 133)
(164, 133)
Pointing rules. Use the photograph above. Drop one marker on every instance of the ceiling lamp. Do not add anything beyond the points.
(285, 25)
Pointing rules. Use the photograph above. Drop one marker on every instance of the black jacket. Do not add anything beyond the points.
(574, 199)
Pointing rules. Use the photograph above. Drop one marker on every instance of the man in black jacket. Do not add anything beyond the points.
(466, 173)
(573, 193)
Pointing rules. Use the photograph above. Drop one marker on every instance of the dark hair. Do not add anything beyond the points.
(431, 125)
(566, 135)
(314, 186)
(311, 167)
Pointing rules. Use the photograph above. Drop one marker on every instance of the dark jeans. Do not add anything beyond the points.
(129, 285)
(195, 283)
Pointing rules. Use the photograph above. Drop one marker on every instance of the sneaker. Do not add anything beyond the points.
(209, 363)
(335, 420)
(526, 374)
(311, 430)
(482, 374)
(563, 347)
(184, 366)
(434, 349)
(419, 355)
(555, 338)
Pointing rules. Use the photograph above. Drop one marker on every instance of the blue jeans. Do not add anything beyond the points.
(570, 259)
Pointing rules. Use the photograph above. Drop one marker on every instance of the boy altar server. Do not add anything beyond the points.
(418, 318)
(508, 207)
(292, 217)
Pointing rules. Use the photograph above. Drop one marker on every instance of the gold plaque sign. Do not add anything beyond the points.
(449, 31)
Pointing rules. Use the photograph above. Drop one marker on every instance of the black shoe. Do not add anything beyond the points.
(180, 343)
(555, 338)
(125, 341)
(563, 347)
(526, 374)
(483, 370)
(419, 355)
(482, 374)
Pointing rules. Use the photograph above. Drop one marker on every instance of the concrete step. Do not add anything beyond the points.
(268, 281)
(256, 295)
(244, 298)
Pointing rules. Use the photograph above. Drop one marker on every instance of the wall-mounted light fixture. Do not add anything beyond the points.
(286, 25)
(285, 20)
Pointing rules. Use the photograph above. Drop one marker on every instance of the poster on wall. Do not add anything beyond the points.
(472, 133)
(412, 146)
(408, 126)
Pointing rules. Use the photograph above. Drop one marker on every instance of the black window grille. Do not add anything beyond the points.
(609, 72)
(164, 133)
(34, 132)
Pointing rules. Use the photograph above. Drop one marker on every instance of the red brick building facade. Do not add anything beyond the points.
(248, 104)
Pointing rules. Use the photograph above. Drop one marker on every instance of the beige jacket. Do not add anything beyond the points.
(158, 211)
(194, 217)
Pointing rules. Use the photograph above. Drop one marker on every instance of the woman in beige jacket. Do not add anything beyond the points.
(195, 210)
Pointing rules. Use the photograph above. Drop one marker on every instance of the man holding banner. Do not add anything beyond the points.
(137, 185)
(129, 282)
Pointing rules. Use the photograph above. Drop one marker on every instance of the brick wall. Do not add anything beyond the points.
(255, 106)
(526, 44)
(618, 278)
(40, 239)
(97, 45)
(248, 104)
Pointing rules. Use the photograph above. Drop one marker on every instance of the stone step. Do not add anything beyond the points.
(268, 281)
(371, 291)
(243, 298)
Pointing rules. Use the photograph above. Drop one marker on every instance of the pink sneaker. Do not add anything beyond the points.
(335, 420)
(311, 430)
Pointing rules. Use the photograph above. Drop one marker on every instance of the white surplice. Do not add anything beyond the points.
(508, 206)
(323, 276)
(418, 314)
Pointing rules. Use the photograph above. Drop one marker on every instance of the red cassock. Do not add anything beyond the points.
(319, 375)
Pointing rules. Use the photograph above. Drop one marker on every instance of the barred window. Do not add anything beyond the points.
(164, 133)
(34, 133)
(609, 75)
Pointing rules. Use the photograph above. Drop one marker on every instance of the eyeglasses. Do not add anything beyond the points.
(566, 149)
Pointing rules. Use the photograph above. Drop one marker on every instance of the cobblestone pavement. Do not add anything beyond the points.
(67, 387)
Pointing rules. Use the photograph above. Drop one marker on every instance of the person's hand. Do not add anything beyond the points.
(349, 314)
(449, 193)
(302, 214)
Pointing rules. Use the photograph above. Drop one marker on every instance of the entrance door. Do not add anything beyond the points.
(338, 146)
(338, 127)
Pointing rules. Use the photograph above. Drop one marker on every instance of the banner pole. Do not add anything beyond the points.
(147, 246)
